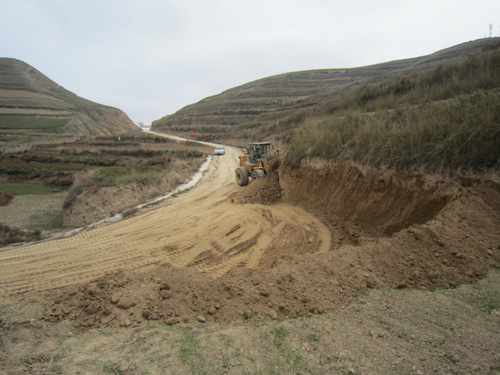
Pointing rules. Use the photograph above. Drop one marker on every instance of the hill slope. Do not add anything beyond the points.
(247, 110)
(29, 101)
(446, 119)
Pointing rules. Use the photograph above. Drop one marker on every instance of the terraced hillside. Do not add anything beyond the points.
(254, 110)
(31, 102)
(71, 182)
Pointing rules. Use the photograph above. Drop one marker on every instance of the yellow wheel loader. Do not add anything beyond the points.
(254, 163)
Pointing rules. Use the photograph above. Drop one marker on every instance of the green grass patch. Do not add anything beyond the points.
(279, 334)
(123, 175)
(25, 188)
(487, 299)
(31, 122)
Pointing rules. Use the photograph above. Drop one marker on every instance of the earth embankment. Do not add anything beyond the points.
(401, 229)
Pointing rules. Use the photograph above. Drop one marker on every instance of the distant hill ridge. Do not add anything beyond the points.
(31, 102)
(247, 110)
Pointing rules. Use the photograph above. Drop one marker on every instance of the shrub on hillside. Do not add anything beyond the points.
(81, 180)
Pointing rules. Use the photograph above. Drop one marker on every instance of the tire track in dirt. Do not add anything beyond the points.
(200, 228)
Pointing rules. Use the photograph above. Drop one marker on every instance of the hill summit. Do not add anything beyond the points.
(31, 102)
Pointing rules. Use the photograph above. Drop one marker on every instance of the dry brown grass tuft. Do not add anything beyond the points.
(9, 235)
(444, 120)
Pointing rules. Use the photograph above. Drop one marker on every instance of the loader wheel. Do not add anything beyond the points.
(258, 173)
(241, 176)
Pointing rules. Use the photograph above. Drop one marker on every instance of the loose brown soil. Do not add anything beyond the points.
(386, 331)
(303, 241)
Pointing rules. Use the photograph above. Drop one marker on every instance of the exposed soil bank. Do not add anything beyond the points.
(98, 203)
(388, 229)
(380, 202)
(386, 331)
(413, 229)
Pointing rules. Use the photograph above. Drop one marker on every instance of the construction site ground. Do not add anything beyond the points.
(319, 268)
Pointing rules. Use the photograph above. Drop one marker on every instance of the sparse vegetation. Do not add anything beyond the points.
(109, 367)
(447, 119)
(484, 298)
(387, 331)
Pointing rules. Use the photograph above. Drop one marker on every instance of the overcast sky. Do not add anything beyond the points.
(152, 57)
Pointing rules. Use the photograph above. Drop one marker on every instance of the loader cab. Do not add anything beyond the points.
(258, 151)
(254, 162)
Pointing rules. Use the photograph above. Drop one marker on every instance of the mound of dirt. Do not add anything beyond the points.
(293, 287)
(388, 230)
(262, 190)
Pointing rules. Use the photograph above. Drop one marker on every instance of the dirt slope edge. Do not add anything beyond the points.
(448, 234)
(402, 229)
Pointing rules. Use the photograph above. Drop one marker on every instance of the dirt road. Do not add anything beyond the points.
(201, 229)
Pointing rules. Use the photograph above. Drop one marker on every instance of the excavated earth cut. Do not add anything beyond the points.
(303, 240)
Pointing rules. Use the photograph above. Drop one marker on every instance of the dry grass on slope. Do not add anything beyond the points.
(447, 119)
